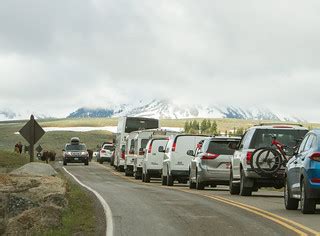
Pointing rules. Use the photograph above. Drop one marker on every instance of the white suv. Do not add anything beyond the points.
(243, 179)
(176, 161)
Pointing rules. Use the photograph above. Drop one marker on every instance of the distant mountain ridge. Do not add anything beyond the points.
(168, 110)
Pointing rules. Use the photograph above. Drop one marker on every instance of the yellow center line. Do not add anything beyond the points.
(287, 223)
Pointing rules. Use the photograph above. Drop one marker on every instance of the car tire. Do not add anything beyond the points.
(199, 185)
(308, 205)
(163, 180)
(86, 163)
(234, 189)
(147, 178)
(126, 172)
(191, 184)
(143, 178)
(64, 163)
(289, 203)
(169, 180)
(135, 175)
(244, 191)
(101, 162)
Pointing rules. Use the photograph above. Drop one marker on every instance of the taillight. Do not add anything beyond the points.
(174, 145)
(150, 148)
(249, 158)
(123, 155)
(315, 180)
(315, 156)
(209, 156)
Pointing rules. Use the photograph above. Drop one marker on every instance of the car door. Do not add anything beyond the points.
(294, 166)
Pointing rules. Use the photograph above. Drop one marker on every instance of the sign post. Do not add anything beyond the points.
(32, 132)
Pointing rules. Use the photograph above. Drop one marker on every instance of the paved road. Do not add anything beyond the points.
(148, 209)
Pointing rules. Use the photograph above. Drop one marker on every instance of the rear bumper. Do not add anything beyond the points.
(155, 173)
(218, 176)
(180, 173)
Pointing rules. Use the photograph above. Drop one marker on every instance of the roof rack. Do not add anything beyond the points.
(275, 123)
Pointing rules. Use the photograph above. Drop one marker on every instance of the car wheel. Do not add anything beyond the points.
(308, 205)
(100, 161)
(244, 191)
(289, 203)
(126, 172)
(169, 179)
(86, 163)
(143, 178)
(199, 185)
(135, 175)
(147, 178)
(234, 189)
(191, 184)
(163, 180)
(64, 163)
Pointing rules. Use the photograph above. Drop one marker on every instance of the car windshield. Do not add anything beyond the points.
(77, 147)
(220, 147)
(134, 124)
(108, 147)
(289, 137)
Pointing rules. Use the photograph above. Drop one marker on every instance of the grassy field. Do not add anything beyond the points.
(12, 160)
(79, 217)
(57, 139)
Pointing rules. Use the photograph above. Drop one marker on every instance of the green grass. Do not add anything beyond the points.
(79, 216)
(11, 160)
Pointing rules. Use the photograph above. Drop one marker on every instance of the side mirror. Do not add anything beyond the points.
(160, 149)
(233, 146)
(190, 153)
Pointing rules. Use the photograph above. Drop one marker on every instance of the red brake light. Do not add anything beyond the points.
(249, 158)
(282, 126)
(174, 145)
(209, 156)
(123, 155)
(150, 148)
(315, 156)
(315, 180)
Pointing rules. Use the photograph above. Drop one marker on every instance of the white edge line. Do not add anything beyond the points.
(106, 207)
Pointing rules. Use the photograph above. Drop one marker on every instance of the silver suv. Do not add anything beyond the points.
(211, 163)
(243, 179)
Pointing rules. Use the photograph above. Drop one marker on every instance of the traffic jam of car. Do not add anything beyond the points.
(268, 155)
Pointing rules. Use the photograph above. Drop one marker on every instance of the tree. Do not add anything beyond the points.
(187, 127)
(204, 126)
(214, 128)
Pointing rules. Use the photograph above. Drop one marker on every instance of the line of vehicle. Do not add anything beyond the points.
(287, 223)
(106, 207)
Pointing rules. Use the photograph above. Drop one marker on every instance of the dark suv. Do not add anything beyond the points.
(75, 152)
(243, 179)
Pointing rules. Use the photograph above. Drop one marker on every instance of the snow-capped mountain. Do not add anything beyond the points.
(7, 114)
(165, 109)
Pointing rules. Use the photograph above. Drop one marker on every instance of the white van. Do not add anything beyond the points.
(127, 125)
(153, 159)
(129, 153)
(140, 143)
(175, 159)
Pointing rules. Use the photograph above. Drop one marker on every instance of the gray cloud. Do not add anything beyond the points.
(56, 56)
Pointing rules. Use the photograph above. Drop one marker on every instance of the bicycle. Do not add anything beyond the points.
(270, 159)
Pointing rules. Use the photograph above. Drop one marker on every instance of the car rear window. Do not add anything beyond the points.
(144, 143)
(289, 137)
(110, 148)
(220, 147)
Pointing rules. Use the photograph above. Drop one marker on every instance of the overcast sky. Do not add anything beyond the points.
(57, 56)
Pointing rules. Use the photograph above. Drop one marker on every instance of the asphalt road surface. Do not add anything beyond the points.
(151, 209)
